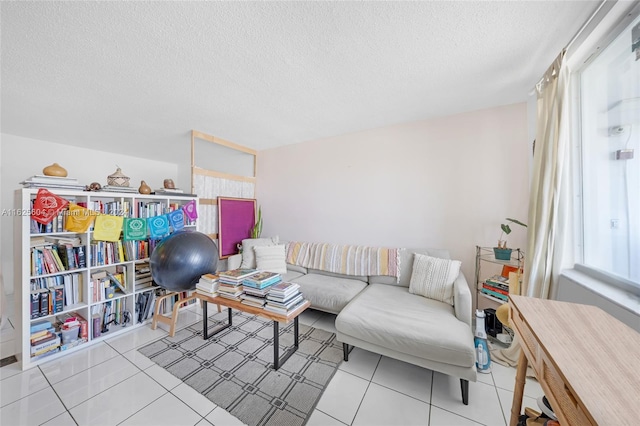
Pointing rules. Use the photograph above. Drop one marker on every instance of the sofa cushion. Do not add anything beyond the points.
(391, 317)
(406, 266)
(248, 254)
(433, 277)
(362, 278)
(271, 258)
(296, 268)
(327, 293)
(291, 276)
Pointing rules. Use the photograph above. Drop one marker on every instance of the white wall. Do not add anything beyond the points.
(447, 183)
(21, 158)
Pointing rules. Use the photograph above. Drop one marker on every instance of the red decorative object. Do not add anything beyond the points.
(47, 206)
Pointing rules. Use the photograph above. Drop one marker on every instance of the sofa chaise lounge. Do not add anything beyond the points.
(380, 314)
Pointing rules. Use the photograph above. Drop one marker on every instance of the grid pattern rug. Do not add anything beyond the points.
(234, 368)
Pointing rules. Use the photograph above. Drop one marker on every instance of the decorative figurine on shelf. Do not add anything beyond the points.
(144, 188)
(168, 184)
(55, 170)
(118, 178)
(94, 186)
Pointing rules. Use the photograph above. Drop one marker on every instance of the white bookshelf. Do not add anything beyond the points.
(87, 304)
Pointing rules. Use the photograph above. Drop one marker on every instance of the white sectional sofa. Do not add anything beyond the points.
(379, 314)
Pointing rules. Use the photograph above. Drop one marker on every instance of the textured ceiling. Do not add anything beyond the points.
(139, 76)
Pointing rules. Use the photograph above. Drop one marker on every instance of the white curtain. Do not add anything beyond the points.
(549, 247)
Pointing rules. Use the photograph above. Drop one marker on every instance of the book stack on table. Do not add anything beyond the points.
(208, 285)
(230, 286)
(257, 286)
(283, 298)
(497, 286)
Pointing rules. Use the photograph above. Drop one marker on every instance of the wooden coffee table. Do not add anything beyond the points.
(276, 318)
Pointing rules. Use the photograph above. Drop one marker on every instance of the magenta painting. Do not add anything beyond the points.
(236, 217)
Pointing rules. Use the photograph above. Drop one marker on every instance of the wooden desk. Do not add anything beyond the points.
(587, 362)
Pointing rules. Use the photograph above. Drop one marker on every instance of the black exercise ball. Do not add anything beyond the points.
(179, 260)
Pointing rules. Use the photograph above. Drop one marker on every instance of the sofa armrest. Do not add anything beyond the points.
(234, 262)
(462, 299)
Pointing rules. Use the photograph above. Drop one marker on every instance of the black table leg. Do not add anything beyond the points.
(277, 359)
(205, 323)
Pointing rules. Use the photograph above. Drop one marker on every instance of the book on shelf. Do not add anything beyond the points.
(40, 325)
(494, 294)
(113, 188)
(169, 191)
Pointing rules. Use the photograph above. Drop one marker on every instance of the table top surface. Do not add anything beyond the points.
(597, 356)
(237, 305)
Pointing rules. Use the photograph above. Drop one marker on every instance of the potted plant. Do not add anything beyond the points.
(502, 252)
(257, 228)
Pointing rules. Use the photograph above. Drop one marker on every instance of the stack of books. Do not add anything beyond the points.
(44, 339)
(142, 278)
(257, 286)
(283, 298)
(42, 181)
(230, 286)
(208, 285)
(497, 286)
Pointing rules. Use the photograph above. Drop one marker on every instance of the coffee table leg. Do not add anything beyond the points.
(277, 359)
(205, 322)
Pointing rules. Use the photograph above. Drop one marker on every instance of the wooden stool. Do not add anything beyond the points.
(173, 319)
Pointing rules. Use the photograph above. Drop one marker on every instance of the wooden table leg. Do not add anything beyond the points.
(518, 391)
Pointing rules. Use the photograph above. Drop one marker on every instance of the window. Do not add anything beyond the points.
(609, 126)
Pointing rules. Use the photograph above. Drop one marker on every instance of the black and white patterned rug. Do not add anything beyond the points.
(234, 368)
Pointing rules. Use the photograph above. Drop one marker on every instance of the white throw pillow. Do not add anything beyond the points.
(248, 255)
(271, 258)
(433, 277)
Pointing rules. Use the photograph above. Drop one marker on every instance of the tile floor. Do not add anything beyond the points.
(110, 383)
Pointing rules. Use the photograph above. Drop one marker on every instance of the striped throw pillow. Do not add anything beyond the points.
(433, 277)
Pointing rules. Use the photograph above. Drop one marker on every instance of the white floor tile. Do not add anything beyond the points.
(63, 419)
(440, 417)
(194, 399)
(88, 383)
(162, 376)
(167, 410)
(135, 338)
(484, 405)
(318, 418)
(326, 322)
(486, 377)
(361, 363)
(203, 422)
(20, 385)
(506, 400)
(34, 409)
(10, 370)
(343, 396)
(505, 378)
(74, 363)
(118, 402)
(382, 406)
(405, 378)
(139, 360)
(220, 417)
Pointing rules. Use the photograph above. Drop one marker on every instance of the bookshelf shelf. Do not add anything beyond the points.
(488, 267)
(123, 312)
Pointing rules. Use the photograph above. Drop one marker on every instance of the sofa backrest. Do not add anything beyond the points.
(406, 266)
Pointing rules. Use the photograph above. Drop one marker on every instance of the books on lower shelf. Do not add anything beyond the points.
(51, 336)
(497, 286)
